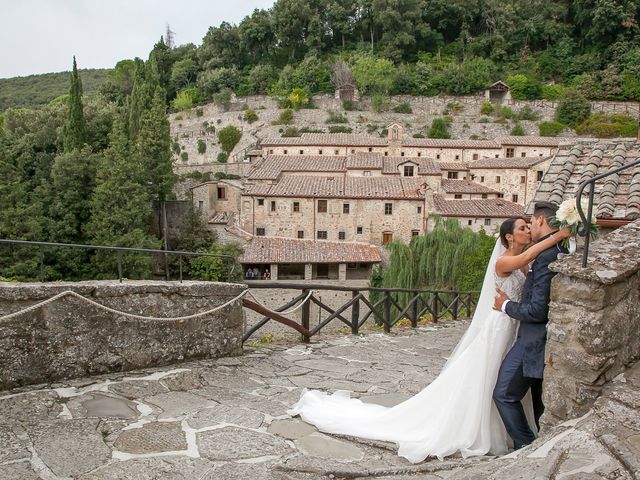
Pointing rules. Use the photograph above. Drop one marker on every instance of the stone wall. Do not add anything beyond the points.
(71, 338)
(594, 323)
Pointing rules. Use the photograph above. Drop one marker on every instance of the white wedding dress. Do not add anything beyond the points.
(456, 411)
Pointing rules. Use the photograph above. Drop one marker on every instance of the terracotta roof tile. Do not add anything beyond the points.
(365, 160)
(425, 166)
(487, 208)
(455, 166)
(616, 197)
(327, 139)
(270, 167)
(500, 163)
(291, 250)
(464, 186)
(449, 143)
(532, 140)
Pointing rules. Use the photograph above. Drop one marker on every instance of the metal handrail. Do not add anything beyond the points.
(119, 251)
(585, 230)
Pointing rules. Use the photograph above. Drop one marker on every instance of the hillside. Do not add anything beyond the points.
(36, 91)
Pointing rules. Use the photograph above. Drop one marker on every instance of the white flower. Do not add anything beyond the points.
(568, 213)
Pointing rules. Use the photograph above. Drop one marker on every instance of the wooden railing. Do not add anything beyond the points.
(392, 306)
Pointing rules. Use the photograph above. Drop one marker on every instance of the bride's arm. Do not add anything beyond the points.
(508, 263)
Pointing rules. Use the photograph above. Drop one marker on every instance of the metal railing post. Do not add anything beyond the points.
(355, 313)
(386, 316)
(306, 311)
(414, 310)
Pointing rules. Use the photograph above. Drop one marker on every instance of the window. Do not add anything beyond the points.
(387, 237)
(497, 178)
(366, 173)
(514, 198)
(200, 204)
(345, 208)
(222, 193)
(273, 205)
(419, 209)
(475, 156)
(335, 152)
(496, 155)
(359, 230)
(260, 232)
(458, 196)
(487, 222)
(510, 152)
(322, 206)
(523, 154)
(322, 234)
(388, 208)
(353, 150)
(408, 170)
(438, 157)
(370, 149)
(320, 152)
(419, 154)
(300, 233)
(481, 178)
(469, 222)
(261, 201)
(457, 157)
(271, 151)
(284, 151)
(501, 195)
(484, 195)
(341, 236)
(301, 152)
(539, 174)
(402, 154)
(296, 207)
(523, 179)
(452, 175)
(415, 233)
(386, 154)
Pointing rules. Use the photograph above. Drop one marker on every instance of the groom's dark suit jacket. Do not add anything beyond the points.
(532, 311)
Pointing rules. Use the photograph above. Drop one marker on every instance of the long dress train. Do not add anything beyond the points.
(456, 411)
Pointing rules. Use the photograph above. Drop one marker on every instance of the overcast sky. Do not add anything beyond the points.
(41, 36)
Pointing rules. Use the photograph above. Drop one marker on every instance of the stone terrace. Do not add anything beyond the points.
(226, 419)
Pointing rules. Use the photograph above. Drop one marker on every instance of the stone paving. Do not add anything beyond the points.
(226, 419)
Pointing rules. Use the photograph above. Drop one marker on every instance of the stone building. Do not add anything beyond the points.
(498, 93)
(277, 258)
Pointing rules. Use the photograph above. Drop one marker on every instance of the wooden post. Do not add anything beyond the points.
(355, 313)
(455, 305)
(414, 310)
(305, 315)
(434, 307)
(386, 317)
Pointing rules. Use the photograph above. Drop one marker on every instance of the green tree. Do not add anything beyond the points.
(185, 99)
(121, 208)
(439, 129)
(74, 133)
(229, 137)
(573, 109)
(298, 98)
(523, 87)
(373, 75)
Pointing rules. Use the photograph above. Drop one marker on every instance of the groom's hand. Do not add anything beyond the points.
(501, 297)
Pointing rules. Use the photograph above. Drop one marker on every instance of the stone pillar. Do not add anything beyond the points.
(308, 271)
(594, 320)
(342, 271)
(274, 271)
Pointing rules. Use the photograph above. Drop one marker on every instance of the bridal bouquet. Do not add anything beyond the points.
(567, 216)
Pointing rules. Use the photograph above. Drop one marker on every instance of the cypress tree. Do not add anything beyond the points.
(74, 131)
(140, 99)
(121, 208)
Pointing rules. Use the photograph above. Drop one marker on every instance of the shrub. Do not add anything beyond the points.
(310, 130)
(517, 130)
(348, 105)
(551, 129)
(185, 99)
(291, 132)
(439, 129)
(523, 87)
(226, 176)
(553, 92)
(379, 103)
(202, 147)
(199, 112)
(184, 156)
(229, 137)
(298, 98)
(573, 109)
(222, 157)
(453, 108)
(285, 117)
(339, 129)
(371, 128)
(483, 120)
(527, 113)
(250, 115)
(486, 108)
(403, 107)
(336, 117)
(603, 125)
(419, 135)
(223, 99)
(175, 148)
(505, 112)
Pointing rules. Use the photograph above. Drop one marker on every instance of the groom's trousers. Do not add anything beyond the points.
(510, 389)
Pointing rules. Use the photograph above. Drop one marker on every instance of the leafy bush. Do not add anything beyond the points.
(348, 105)
(504, 112)
(486, 108)
(553, 92)
(483, 120)
(250, 115)
(184, 156)
(335, 117)
(608, 126)
(379, 103)
(340, 129)
(298, 98)
(453, 108)
(185, 99)
(226, 176)
(229, 137)
(551, 129)
(523, 87)
(439, 129)
(222, 157)
(527, 113)
(573, 109)
(403, 107)
(175, 148)
(291, 132)
(517, 130)
(223, 99)
(199, 112)
(285, 117)
(202, 147)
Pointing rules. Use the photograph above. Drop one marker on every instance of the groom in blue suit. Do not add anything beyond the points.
(523, 366)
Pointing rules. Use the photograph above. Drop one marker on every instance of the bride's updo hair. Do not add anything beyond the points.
(508, 226)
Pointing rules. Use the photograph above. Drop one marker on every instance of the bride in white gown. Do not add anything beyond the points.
(456, 411)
